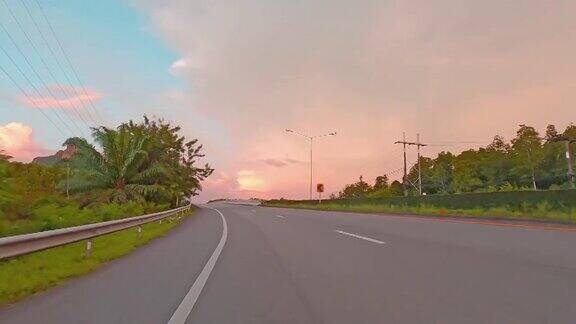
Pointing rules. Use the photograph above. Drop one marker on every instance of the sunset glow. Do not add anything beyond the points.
(247, 180)
(235, 77)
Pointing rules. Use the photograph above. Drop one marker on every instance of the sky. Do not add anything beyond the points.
(236, 74)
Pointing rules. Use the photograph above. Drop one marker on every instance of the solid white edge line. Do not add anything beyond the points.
(187, 304)
(360, 237)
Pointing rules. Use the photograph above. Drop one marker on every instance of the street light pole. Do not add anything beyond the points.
(311, 138)
(311, 142)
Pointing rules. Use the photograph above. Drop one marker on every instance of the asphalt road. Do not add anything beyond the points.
(295, 266)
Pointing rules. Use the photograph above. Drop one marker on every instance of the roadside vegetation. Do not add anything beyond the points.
(552, 206)
(529, 161)
(134, 169)
(525, 178)
(29, 274)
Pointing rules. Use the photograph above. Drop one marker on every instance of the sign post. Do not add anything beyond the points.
(320, 190)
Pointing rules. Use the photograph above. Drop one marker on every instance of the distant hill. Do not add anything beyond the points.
(59, 156)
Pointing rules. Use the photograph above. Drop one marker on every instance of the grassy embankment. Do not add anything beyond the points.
(25, 275)
(552, 206)
(54, 212)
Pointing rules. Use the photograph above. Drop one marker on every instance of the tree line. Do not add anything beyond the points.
(147, 162)
(530, 161)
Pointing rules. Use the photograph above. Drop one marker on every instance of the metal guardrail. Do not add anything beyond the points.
(27, 243)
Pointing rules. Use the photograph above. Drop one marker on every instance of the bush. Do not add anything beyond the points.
(50, 213)
(509, 202)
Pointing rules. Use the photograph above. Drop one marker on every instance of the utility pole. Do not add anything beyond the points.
(405, 176)
(568, 140)
(419, 168)
(418, 145)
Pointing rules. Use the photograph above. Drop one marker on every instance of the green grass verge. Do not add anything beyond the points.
(52, 213)
(541, 212)
(25, 275)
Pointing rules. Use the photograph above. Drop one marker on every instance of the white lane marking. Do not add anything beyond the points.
(185, 307)
(280, 216)
(360, 237)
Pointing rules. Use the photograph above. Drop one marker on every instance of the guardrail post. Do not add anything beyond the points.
(88, 248)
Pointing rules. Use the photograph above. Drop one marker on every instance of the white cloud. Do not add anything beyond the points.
(17, 140)
(179, 66)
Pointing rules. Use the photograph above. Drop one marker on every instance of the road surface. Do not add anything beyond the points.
(275, 265)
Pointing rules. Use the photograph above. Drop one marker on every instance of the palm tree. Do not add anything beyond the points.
(119, 169)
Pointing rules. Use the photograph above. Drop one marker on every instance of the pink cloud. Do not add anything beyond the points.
(66, 97)
(17, 140)
(428, 67)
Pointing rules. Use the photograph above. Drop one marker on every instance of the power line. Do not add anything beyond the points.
(456, 142)
(393, 172)
(38, 93)
(97, 112)
(41, 59)
(27, 96)
(59, 66)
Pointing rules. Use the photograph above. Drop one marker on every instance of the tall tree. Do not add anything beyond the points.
(358, 189)
(381, 182)
(117, 168)
(174, 154)
(467, 176)
(442, 174)
(551, 132)
(527, 153)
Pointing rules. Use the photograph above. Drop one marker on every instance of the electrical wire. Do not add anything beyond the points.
(35, 49)
(54, 56)
(31, 84)
(25, 94)
(66, 56)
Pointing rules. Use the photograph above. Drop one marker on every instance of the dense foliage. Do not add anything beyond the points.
(381, 188)
(521, 201)
(542, 205)
(146, 161)
(21, 184)
(529, 161)
(133, 169)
